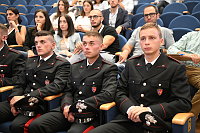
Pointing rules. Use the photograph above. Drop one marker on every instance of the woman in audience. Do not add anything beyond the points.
(63, 7)
(101, 4)
(82, 23)
(42, 22)
(16, 32)
(66, 39)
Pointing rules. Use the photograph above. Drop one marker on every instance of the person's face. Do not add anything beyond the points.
(63, 23)
(86, 7)
(61, 6)
(150, 15)
(150, 41)
(113, 3)
(40, 18)
(11, 16)
(95, 18)
(3, 37)
(91, 47)
(98, 1)
(44, 45)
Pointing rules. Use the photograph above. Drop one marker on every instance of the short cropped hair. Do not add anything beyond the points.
(3, 29)
(151, 25)
(94, 34)
(155, 7)
(45, 33)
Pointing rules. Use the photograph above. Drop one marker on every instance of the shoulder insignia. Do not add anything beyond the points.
(174, 59)
(60, 58)
(107, 62)
(135, 57)
(14, 50)
(78, 61)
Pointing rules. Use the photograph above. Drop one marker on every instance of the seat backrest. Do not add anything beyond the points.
(135, 19)
(196, 8)
(22, 9)
(122, 41)
(197, 15)
(5, 2)
(53, 10)
(30, 17)
(185, 21)
(3, 9)
(168, 17)
(36, 8)
(50, 2)
(36, 2)
(175, 7)
(141, 8)
(179, 32)
(145, 1)
(141, 22)
(190, 5)
(2, 19)
(24, 20)
(20, 2)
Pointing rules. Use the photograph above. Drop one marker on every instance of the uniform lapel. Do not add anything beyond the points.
(91, 70)
(47, 64)
(159, 66)
(3, 52)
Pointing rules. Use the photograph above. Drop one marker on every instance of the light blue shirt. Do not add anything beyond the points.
(189, 43)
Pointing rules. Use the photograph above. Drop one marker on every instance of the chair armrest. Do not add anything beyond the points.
(181, 118)
(49, 98)
(14, 46)
(107, 106)
(180, 57)
(6, 88)
(197, 29)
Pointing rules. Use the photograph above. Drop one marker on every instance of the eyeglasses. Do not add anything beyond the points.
(150, 14)
(94, 17)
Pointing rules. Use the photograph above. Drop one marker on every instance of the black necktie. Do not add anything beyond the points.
(148, 66)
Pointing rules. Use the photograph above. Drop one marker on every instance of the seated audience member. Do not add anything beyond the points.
(161, 4)
(116, 17)
(110, 37)
(150, 15)
(128, 5)
(66, 39)
(11, 61)
(161, 88)
(63, 8)
(44, 75)
(42, 22)
(101, 4)
(189, 46)
(92, 83)
(16, 32)
(82, 23)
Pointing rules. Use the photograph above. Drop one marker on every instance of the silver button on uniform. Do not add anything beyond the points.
(33, 83)
(141, 105)
(142, 95)
(144, 84)
(80, 92)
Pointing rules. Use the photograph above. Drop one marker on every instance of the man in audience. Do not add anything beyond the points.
(189, 46)
(12, 62)
(44, 75)
(92, 83)
(152, 82)
(150, 15)
(116, 17)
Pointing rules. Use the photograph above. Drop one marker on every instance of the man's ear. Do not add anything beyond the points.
(4, 37)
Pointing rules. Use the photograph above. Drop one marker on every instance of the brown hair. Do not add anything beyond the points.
(90, 2)
(151, 25)
(4, 29)
(95, 34)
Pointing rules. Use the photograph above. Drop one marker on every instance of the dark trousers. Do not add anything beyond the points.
(5, 113)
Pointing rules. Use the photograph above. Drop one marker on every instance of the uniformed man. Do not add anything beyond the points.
(11, 61)
(44, 75)
(159, 87)
(93, 83)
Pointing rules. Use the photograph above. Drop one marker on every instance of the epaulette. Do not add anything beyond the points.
(78, 61)
(174, 59)
(134, 57)
(60, 58)
(107, 62)
(14, 50)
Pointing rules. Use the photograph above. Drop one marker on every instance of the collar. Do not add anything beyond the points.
(115, 11)
(45, 59)
(153, 62)
(2, 47)
(101, 28)
(88, 64)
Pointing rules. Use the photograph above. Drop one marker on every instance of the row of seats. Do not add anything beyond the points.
(28, 2)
